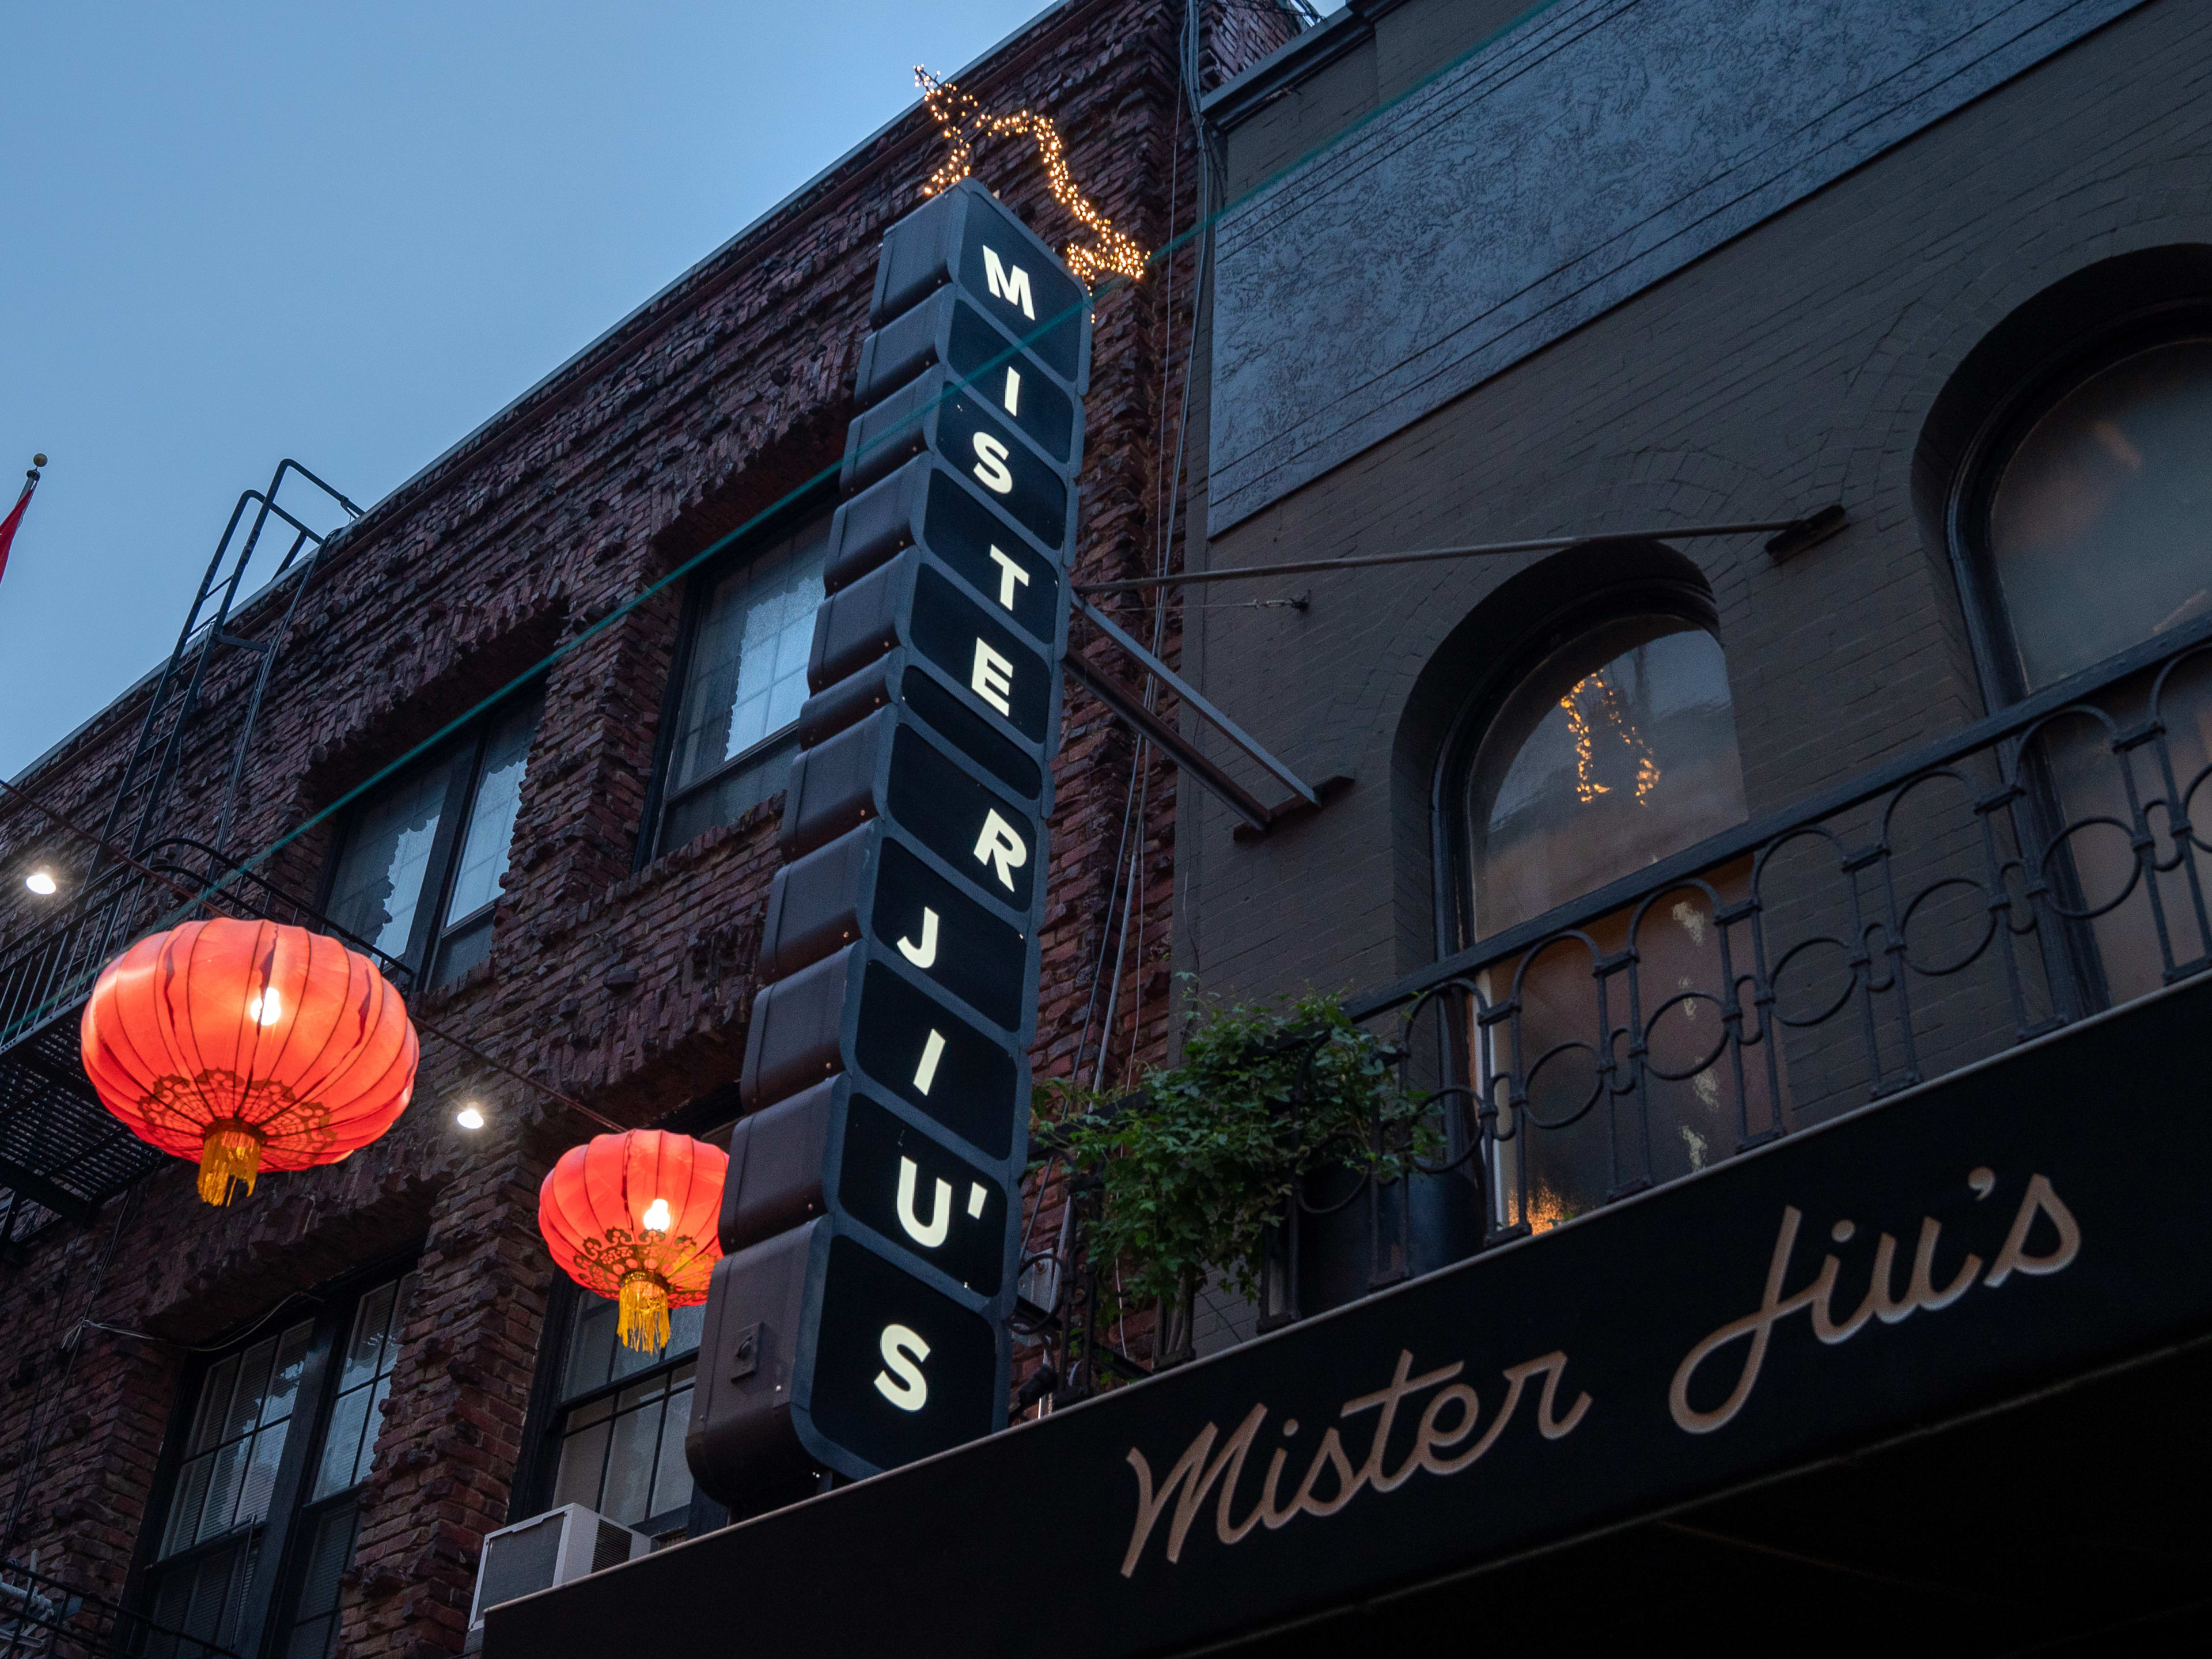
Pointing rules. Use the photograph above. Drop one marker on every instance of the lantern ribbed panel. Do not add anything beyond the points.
(180, 1035)
(592, 1205)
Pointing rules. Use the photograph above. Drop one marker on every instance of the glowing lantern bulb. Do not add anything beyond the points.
(656, 1219)
(266, 1009)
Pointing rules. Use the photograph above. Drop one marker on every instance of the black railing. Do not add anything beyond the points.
(51, 970)
(42, 1618)
(2038, 867)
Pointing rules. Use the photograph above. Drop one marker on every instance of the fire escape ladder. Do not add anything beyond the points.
(61, 1154)
(148, 779)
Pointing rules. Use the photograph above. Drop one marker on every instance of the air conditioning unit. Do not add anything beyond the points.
(546, 1550)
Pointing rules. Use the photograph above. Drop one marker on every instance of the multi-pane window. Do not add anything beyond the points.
(624, 1418)
(744, 682)
(372, 1350)
(212, 1538)
(422, 858)
(1614, 749)
(2088, 534)
(261, 1515)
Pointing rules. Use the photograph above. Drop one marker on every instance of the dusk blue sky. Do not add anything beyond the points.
(350, 233)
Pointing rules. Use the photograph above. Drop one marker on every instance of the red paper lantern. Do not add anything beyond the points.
(634, 1217)
(248, 1046)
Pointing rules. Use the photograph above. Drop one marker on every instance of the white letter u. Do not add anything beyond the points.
(930, 1234)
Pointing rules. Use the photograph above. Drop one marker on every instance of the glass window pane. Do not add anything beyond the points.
(1620, 749)
(342, 1445)
(284, 1378)
(371, 1429)
(261, 1474)
(2100, 527)
(227, 1477)
(591, 1349)
(184, 1508)
(252, 1383)
(216, 1392)
(583, 1460)
(484, 848)
(748, 671)
(671, 1484)
(365, 1348)
(629, 1464)
(380, 878)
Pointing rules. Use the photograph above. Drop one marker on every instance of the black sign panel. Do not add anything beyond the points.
(922, 1196)
(1036, 300)
(1020, 484)
(1004, 566)
(1006, 673)
(1014, 382)
(937, 1062)
(943, 932)
(994, 841)
(901, 1371)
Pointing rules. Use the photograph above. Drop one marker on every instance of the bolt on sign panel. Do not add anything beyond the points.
(858, 1321)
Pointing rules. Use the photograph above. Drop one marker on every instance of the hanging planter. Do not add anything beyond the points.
(248, 1046)
(633, 1216)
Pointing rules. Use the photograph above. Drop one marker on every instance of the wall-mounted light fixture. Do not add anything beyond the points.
(41, 881)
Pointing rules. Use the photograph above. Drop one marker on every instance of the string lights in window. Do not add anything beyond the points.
(961, 121)
(1587, 788)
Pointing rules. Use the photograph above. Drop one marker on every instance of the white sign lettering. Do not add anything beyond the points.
(1881, 1301)
(1011, 576)
(991, 464)
(925, 953)
(1013, 394)
(901, 1382)
(931, 1233)
(999, 847)
(931, 1052)
(1013, 289)
(993, 679)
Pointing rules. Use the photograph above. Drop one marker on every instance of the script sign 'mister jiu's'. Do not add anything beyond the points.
(858, 1321)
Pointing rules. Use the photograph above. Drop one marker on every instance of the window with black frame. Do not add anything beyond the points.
(1611, 746)
(741, 681)
(2083, 532)
(261, 1512)
(621, 1419)
(421, 859)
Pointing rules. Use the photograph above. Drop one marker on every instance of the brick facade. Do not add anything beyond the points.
(715, 400)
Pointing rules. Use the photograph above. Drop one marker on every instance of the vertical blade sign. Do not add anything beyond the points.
(859, 1319)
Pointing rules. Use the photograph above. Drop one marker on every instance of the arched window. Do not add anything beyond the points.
(2097, 519)
(1613, 746)
(2081, 523)
(1617, 749)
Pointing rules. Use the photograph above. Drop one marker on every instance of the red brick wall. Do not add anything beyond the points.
(712, 402)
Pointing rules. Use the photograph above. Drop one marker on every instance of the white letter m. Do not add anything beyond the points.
(1013, 289)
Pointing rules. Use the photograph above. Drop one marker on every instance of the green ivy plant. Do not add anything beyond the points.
(1194, 1163)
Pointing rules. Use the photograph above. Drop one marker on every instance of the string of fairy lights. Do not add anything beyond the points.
(962, 121)
(1587, 788)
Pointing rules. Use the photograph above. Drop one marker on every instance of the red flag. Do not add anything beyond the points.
(15, 517)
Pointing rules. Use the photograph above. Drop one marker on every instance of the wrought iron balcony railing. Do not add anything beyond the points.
(60, 1152)
(42, 1618)
(2039, 866)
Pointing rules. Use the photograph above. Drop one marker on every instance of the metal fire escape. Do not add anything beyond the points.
(61, 1153)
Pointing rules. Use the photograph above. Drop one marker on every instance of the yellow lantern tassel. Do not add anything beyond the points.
(230, 1151)
(644, 1324)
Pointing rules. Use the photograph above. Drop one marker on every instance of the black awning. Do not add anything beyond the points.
(2020, 1225)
